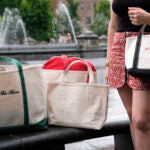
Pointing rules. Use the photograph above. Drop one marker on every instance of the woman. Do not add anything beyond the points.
(127, 17)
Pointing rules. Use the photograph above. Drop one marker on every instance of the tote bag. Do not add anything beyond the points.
(54, 67)
(22, 97)
(77, 104)
(137, 55)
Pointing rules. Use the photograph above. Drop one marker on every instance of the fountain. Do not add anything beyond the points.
(13, 40)
(12, 27)
(65, 25)
(12, 30)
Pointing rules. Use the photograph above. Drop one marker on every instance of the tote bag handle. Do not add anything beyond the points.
(137, 46)
(90, 72)
(23, 86)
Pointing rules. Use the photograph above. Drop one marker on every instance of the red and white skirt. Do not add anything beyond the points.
(117, 75)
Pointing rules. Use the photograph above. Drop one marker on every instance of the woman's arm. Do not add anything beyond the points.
(112, 27)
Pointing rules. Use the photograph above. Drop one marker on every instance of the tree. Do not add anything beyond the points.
(37, 16)
(101, 18)
(9, 4)
(103, 8)
(73, 6)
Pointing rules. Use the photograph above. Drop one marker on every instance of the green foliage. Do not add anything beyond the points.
(77, 26)
(103, 8)
(36, 15)
(9, 4)
(73, 6)
(38, 18)
(101, 18)
(100, 25)
(55, 29)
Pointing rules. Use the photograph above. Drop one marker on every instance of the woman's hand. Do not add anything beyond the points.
(138, 16)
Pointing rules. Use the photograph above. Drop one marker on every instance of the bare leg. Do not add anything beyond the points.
(125, 93)
(141, 119)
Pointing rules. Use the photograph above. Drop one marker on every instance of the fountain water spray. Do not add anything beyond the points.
(62, 10)
(12, 30)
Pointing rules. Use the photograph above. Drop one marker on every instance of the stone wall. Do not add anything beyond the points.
(41, 52)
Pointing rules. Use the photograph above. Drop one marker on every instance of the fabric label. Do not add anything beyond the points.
(9, 92)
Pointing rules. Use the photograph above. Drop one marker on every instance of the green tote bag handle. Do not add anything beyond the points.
(23, 86)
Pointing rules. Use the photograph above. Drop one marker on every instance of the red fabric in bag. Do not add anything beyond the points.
(61, 63)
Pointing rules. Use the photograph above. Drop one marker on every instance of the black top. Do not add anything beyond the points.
(120, 7)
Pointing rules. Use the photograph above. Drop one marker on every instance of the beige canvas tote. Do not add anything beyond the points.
(22, 97)
(77, 104)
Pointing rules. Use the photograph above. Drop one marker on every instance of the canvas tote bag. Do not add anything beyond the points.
(77, 104)
(22, 97)
(54, 67)
(137, 55)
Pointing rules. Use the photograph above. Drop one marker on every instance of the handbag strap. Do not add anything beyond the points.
(137, 46)
(74, 57)
(91, 77)
(23, 86)
(65, 60)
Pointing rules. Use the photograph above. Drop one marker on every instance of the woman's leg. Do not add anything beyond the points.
(125, 93)
(141, 119)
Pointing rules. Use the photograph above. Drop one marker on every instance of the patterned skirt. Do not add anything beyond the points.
(117, 75)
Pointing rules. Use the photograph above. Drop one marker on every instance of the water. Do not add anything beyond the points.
(63, 19)
(12, 30)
